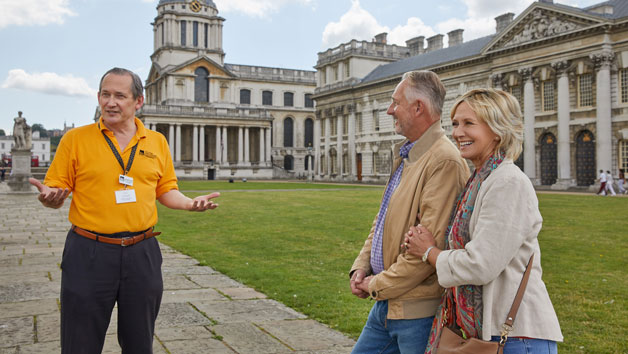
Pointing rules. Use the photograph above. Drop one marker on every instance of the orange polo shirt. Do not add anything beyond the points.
(85, 164)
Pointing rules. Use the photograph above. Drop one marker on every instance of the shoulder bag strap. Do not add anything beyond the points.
(507, 327)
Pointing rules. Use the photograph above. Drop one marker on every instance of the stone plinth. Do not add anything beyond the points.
(20, 172)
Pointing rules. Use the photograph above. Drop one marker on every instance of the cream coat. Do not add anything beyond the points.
(504, 227)
(433, 175)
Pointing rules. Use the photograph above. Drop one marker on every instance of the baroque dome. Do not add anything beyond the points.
(204, 2)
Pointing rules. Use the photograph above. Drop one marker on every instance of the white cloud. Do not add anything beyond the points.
(413, 28)
(33, 12)
(49, 83)
(256, 8)
(357, 23)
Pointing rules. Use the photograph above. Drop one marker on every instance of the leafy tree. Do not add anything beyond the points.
(2, 133)
(40, 128)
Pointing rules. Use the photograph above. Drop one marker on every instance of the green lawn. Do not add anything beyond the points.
(297, 247)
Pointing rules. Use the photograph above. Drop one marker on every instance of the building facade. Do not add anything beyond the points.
(567, 66)
(40, 148)
(224, 120)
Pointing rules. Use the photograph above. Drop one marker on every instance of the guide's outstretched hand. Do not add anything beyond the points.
(50, 197)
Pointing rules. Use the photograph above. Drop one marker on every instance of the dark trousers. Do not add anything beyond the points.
(94, 277)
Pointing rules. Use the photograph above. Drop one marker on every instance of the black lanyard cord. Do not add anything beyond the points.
(117, 155)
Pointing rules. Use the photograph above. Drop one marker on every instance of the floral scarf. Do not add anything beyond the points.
(461, 306)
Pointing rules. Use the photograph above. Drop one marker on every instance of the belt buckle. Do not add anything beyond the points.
(123, 241)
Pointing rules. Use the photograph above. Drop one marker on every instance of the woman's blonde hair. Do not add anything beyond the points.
(501, 112)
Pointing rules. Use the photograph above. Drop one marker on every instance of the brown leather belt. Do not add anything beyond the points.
(122, 241)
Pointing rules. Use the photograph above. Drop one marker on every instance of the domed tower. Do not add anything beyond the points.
(186, 29)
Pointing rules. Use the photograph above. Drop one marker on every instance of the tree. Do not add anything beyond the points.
(2, 133)
(40, 128)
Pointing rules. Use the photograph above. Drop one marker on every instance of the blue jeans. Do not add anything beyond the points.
(528, 346)
(381, 335)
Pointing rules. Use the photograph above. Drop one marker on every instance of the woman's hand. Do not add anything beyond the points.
(417, 240)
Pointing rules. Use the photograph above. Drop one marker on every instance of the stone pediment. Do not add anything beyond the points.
(214, 68)
(539, 23)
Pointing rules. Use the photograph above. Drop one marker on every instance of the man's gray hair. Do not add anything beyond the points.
(427, 85)
(136, 88)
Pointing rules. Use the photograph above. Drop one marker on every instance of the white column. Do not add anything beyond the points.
(240, 146)
(246, 146)
(564, 157)
(327, 157)
(225, 146)
(262, 154)
(603, 139)
(529, 156)
(317, 145)
(201, 145)
(171, 139)
(218, 157)
(195, 143)
(177, 153)
(339, 141)
(268, 147)
(353, 170)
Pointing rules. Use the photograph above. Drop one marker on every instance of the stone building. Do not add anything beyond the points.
(224, 120)
(567, 66)
(40, 147)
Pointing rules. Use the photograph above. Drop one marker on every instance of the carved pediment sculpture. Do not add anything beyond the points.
(542, 25)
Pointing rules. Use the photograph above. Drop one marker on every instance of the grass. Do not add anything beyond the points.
(297, 247)
(255, 185)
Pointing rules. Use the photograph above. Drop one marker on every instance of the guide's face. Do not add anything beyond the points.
(116, 99)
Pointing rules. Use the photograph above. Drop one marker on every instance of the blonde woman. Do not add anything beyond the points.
(492, 234)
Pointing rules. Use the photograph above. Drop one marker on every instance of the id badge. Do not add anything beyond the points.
(125, 196)
(126, 180)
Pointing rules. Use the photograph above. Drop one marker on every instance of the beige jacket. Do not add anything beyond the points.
(504, 228)
(433, 175)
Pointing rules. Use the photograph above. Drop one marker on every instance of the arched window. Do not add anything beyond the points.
(548, 159)
(288, 163)
(309, 132)
(585, 158)
(288, 132)
(201, 85)
(245, 96)
(288, 99)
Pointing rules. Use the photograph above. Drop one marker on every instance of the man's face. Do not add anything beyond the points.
(116, 99)
(404, 112)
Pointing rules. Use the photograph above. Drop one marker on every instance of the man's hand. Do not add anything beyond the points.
(364, 284)
(203, 202)
(50, 197)
(356, 279)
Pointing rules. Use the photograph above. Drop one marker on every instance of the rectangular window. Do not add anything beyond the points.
(345, 163)
(548, 98)
(205, 37)
(267, 98)
(334, 126)
(623, 73)
(195, 33)
(309, 103)
(623, 155)
(347, 69)
(345, 125)
(516, 92)
(323, 120)
(183, 33)
(288, 99)
(2, 145)
(43, 146)
(245, 96)
(323, 77)
(358, 120)
(376, 120)
(585, 90)
(335, 72)
(162, 33)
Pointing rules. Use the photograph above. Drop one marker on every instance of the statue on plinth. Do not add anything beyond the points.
(21, 133)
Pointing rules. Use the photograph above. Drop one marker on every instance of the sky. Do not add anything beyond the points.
(55, 51)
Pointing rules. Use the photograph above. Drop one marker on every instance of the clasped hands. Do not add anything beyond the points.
(417, 240)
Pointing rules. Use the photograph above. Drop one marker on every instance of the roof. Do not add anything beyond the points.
(620, 9)
(204, 2)
(426, 60)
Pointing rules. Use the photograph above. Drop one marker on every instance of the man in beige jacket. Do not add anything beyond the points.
(427, 175)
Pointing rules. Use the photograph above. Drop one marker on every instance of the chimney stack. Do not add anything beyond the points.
(434, 43)
(381, 38)
(455, 37)
(415, 45)
(502, 21)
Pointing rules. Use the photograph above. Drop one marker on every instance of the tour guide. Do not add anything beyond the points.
(115, 169)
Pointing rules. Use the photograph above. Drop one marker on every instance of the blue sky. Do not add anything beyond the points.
(55, 51)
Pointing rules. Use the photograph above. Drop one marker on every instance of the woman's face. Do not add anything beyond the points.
(476, 141)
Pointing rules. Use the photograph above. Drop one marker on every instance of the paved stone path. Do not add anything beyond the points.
(202, 310)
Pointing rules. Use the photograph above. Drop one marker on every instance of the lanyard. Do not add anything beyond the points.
(118, 157)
